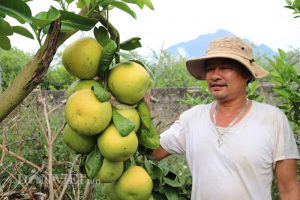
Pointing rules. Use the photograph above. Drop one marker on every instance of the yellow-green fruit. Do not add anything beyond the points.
(79, 143)
(132, 115)
(81, 58)
(81, 84)
(115, 147)
(128, 82)
(110, 171)
(85, 114)
(151, 197)
(134, 184)
(110, 191)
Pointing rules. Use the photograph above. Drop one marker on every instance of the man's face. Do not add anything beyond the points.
(226, 78)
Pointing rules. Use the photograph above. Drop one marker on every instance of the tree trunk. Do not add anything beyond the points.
(32, 73)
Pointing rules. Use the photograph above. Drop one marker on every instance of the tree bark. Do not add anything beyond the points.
(32, 74)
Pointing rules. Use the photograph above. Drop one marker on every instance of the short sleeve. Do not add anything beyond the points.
(173, 140)
(285, 144)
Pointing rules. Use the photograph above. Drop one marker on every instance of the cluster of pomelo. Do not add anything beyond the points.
(112, 120)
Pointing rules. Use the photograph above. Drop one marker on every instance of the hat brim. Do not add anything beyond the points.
(196, 66)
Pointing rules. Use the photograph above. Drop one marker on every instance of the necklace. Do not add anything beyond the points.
(221, 133)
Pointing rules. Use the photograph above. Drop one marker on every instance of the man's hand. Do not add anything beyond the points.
(147, 100)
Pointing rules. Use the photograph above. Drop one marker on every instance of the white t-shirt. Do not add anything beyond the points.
(242, 167)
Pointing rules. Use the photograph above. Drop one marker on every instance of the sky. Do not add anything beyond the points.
(174, 21)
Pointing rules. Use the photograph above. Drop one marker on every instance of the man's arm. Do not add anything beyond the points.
(286, 173)
(159, 153)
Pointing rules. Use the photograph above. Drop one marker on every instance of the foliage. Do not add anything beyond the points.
(171, 71)
(286, 79)
(169, 182)
(204, 97)
(11, 63)
(57, 79)
(40, 23)
(295, 6)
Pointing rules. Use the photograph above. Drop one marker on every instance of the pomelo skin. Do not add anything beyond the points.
(132, 115)
(85, 114)
(115, 147)
(81, 58)
(81, 84)
(109, 189)
(78, 143)
(134, 184)
(110, 171)
(128, 82)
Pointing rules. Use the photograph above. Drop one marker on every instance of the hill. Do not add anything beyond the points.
(198, 46)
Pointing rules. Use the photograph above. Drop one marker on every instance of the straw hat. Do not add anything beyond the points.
(228, 47)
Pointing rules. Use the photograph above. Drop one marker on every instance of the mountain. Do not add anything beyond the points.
(197, 47)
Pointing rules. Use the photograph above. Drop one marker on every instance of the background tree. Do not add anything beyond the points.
(11, 62)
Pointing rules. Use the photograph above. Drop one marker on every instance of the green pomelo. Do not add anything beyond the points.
(81, 58)
(128, 82)
(78, 143)
(110, 171)
(85, 114)
(134, 184)
(115, 147)
(81, 84)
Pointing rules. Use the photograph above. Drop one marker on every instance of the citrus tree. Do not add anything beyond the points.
(51, 29)
(99, 128)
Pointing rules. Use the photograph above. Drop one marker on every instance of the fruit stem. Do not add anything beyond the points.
(114, 33)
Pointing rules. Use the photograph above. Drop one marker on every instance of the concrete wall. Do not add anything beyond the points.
(165, 107)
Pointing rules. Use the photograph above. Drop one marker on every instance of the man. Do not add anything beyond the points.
(233, 145)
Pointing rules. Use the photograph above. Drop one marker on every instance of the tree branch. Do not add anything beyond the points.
(34, 71)
(3, 144)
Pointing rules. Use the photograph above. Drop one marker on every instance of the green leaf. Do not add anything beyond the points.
(83, 3)
(101, 94)
(91, 3)
(16, 9)
(148, 165)
(43, 19)
(130, 1)
(22, 31)
(282, 53)
(73, 21)
(145, 114)
(124, 7)
(140, 3)
(173, 183)
(5, 42)
(69, 1)
(283, 93)
(107, 56)
(149, 4)
(157, 172)
(131, 44)
(93, 162)
(171, 193)
(5, 28)
(123, 125)
(149, 138)
(101, 35)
